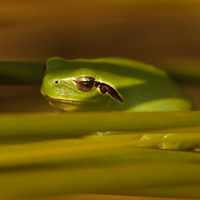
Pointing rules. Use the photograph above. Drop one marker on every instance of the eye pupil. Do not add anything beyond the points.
(85, 84)
(56, 82)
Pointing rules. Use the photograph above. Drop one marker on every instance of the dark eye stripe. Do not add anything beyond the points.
(86, 84)
(104, 88)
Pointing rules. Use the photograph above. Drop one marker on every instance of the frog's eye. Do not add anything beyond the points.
(85, 84)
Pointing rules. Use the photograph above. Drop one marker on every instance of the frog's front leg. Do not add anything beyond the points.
(171, 141)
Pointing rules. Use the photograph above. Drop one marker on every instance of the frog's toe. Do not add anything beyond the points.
(169, 146)
(197, 149)
(178, 146)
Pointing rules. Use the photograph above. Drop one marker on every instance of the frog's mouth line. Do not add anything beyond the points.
(67, 101)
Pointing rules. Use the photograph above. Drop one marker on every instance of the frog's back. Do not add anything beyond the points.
(143, 87)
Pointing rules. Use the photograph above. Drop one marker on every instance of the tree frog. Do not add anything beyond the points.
(111, 84)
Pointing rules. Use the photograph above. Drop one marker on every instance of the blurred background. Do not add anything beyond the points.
(165, 33)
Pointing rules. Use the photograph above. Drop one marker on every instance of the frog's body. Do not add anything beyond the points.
(110, 84)
(141, 87)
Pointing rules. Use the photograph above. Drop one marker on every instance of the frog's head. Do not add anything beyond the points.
(71, 88)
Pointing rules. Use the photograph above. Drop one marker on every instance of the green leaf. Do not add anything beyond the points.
(21, 126)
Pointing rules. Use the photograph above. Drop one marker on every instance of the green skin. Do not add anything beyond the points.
(129, 86)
